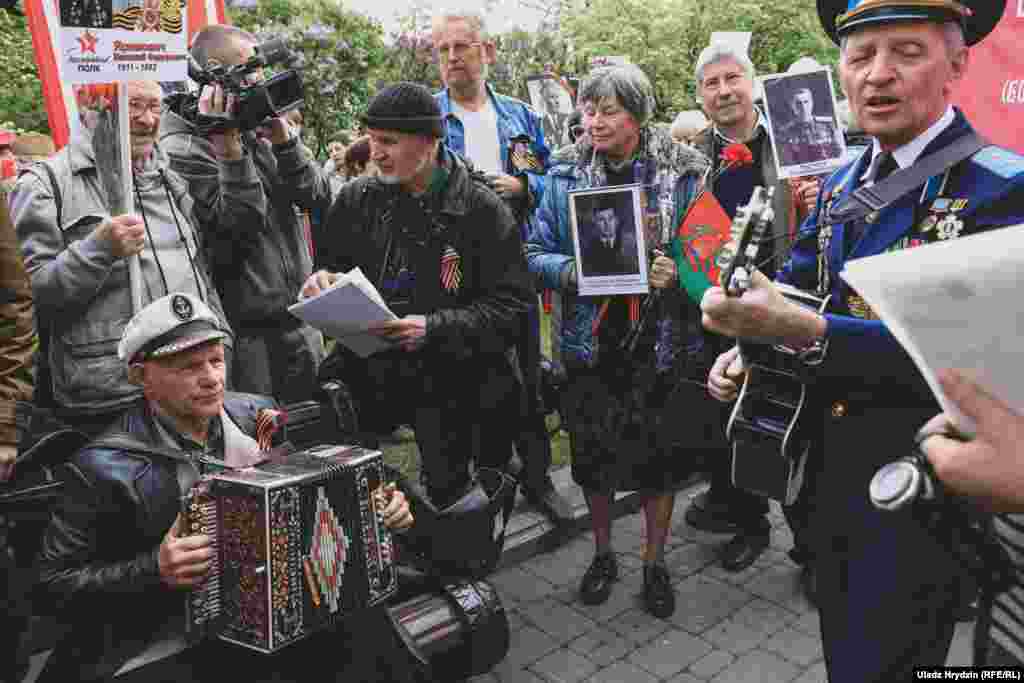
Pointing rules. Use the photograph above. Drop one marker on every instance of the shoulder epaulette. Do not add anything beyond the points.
(1000, 161)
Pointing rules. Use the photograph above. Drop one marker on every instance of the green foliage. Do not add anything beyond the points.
(522, 54)
(340, 50)
(664, 38)
(21, 98)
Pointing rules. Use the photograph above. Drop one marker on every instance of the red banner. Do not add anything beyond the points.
(992, 91)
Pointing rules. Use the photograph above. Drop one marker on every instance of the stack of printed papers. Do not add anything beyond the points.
(956, 304)
(346, 311)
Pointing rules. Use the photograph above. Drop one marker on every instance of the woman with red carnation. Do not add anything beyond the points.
(622, 365)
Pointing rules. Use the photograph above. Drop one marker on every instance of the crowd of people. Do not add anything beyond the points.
(457, 207)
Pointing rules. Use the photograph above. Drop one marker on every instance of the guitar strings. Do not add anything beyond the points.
(809, 233)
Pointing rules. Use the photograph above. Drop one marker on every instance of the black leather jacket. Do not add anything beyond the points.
(98, 563)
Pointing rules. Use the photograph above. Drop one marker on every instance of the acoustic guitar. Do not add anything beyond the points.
(766, 430)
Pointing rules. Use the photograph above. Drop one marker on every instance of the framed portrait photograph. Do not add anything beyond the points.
(553, 102)
(608, 238)
(802, 122)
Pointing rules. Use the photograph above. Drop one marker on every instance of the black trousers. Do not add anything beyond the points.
(530, 436)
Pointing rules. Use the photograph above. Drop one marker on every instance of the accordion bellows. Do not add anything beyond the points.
(299, 543)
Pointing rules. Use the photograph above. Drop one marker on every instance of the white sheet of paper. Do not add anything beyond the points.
(346, 311)
(955, 304)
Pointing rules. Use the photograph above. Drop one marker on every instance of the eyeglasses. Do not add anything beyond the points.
(139, 107)
(460, 50)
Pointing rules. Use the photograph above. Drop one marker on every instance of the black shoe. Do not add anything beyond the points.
(596, 585)
(553, 504)
(743, 550)
(706, 515)
(659, 598)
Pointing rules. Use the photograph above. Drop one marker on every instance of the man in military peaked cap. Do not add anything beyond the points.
(888, 586)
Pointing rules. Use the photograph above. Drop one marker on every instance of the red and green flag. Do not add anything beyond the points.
(703, 231)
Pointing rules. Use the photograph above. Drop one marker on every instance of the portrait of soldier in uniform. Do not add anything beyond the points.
(554, 105)
(607, 234)
(802, 114)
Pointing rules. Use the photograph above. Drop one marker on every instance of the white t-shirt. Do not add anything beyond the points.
(481, 134)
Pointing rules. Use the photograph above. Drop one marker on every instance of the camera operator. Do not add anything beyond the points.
(989, 471)
(257, 267)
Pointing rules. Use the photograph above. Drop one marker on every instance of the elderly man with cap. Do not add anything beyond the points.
(113, 561)
(445, 252)
(888, 587)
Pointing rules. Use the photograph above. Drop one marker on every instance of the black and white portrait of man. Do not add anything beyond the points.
(553, 103)
(609, 240)
(803, 123)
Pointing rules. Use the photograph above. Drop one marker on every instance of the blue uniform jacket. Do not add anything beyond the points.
(990, 185)
(518, 122)
(671, 174)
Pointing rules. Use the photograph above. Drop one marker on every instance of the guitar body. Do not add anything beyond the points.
(766, 431)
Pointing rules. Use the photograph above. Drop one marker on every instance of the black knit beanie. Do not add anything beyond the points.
(407, 108)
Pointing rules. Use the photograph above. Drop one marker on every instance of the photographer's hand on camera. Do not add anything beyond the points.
(988, 469)
(213, 101)
(124, 235)
(279, 131)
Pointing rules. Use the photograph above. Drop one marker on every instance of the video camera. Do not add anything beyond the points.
(254, 103)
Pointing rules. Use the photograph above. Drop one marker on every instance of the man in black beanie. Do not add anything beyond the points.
(445, 252)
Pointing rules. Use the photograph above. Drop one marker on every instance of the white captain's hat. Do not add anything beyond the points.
(171, 324)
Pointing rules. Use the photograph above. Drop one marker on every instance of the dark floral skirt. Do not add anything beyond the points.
(637, 429)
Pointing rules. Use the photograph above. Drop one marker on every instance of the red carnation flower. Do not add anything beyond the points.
(737, 154)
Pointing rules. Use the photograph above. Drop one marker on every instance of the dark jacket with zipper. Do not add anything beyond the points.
(261, 261)
(471, 331)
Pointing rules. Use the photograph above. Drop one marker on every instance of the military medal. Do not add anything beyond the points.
(859, 308)
(451, 270)
(949, 227)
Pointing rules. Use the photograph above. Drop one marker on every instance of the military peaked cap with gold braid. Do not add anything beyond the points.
(978, 17)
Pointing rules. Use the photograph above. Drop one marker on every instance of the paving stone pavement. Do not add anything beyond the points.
(751, 627)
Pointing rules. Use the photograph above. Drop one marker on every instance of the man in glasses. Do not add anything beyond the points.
(503, 138)
(76, 255)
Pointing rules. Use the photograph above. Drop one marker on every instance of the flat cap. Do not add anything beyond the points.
(169, 325)
(978, 17)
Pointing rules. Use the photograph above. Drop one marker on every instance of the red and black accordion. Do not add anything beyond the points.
(299, 543)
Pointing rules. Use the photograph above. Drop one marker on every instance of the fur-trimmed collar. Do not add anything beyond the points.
(676, 157)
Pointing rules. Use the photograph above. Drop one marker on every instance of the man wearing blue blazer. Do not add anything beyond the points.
(888, 586)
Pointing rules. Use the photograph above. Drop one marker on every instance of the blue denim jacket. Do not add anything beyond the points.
(516, 120)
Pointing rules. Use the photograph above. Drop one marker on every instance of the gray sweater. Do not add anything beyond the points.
(81, 288)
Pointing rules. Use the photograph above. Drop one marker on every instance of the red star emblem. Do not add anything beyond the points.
(87, 41)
